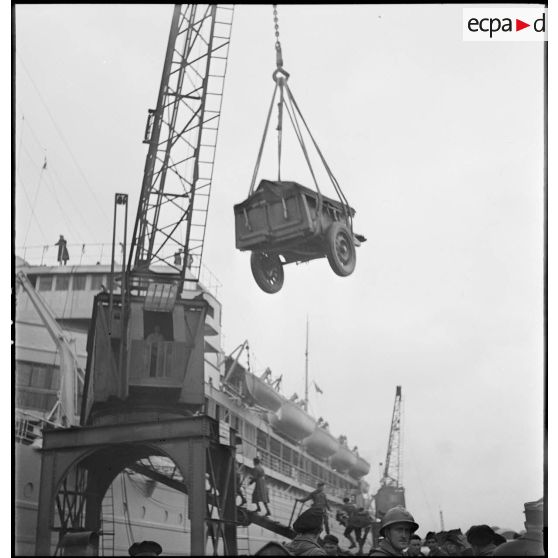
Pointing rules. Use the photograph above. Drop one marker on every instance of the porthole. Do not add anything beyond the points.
(28, 490)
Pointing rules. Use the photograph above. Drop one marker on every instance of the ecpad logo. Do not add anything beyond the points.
(504, 24)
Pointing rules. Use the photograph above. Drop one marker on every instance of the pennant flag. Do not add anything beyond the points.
(317, 387)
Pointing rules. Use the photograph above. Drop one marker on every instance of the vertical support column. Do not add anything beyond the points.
(194, 463)
(229, 507)
(189, 456)
(96, 487)
(46, 504)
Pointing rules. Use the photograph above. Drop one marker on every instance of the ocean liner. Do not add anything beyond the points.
(143, 503)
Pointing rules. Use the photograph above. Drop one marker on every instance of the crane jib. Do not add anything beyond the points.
(181, 134)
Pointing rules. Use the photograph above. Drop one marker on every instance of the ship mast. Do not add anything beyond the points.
(306, 370)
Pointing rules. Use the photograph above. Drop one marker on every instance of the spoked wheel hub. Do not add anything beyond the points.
(267, 270)
(341, 252)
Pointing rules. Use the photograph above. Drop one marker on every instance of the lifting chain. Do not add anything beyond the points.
(278, 53)
(280, 76)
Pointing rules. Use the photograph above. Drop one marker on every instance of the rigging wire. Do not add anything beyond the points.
(83, 221)
(260, 152)
(334, 181)
(28, 125)
(298, 133)
(20, 142)
(35, 200)
(24, 190)
(103, 212)
(53, 175)
(73, 231)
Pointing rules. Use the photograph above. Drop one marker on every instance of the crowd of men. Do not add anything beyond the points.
(395, 535)
(398, 536)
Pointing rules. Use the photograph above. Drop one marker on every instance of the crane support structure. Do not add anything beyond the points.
(182, 135)
(392, 468)
(391, 492)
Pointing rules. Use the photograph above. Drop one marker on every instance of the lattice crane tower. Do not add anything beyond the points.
(182, 134)
(392, 469)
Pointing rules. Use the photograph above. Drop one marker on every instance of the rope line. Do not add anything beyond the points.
(336, 186)
(34, 203)
(24, 189)
(91, 190)
(259, 157)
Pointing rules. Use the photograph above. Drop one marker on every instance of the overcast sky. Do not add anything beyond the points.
(437, 144)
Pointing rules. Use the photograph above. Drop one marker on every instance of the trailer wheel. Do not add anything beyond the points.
(341, 252)
(267, 270)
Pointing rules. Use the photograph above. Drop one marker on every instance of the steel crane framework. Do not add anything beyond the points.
(392, 468)
(182, 135)
(391, 492)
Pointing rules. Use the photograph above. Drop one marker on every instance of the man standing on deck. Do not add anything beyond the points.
(319, 501)
(397, 527)
(63, 256)
(260, 493)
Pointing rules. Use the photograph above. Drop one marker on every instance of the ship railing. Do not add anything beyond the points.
(29, 426)
(100, 254)
(299, 475)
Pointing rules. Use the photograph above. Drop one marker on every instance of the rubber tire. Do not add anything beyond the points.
(267, 270)
(341, 251)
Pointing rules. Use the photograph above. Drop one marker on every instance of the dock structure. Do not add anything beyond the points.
(79, 465)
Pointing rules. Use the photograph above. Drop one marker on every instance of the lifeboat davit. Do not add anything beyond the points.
(343, 459)
(360, 468)
(293, 421)
(263, 393)
(321, 443)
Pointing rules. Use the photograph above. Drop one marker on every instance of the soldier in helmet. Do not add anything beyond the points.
(396, 529)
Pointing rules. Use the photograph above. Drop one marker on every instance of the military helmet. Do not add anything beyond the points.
(398, 515)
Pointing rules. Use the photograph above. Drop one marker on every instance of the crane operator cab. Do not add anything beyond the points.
(146, 358)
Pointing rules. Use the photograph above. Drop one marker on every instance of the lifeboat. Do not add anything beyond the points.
(321, 443)
(263, 393)
(293, 421)
(360, 468)
(343, 459)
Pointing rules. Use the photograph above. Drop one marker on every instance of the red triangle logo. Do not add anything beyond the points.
(519, 25)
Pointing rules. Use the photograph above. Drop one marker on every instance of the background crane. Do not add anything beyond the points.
(391, 492)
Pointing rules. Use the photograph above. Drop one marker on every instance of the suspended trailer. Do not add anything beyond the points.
(283, 222)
